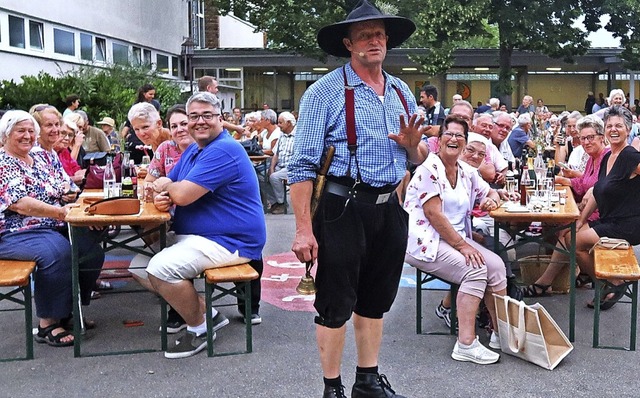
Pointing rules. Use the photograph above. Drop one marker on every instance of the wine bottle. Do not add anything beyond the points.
(510, 179)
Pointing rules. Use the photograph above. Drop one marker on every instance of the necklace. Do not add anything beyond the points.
(453, 180)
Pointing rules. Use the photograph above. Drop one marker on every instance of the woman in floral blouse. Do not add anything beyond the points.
(439, 201)
(31, 216)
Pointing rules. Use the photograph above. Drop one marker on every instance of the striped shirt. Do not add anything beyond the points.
(321, 123)
(284, 149)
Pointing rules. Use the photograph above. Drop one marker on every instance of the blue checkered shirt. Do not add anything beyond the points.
(322, 123)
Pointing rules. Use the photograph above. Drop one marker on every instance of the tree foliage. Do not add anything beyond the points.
(543, 26)
(103, 91)
(625, 25)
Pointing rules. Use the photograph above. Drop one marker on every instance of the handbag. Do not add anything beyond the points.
(99, 158)
(93, 178)
(252, 147)
(118, 206)
(528, 332)
(611, 244)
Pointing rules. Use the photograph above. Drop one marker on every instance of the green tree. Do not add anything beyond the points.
(625, 25)
(543, 26)
(103, 91)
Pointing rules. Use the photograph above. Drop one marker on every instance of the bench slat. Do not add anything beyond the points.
(616, 264)
(234, 273)
(15, 273)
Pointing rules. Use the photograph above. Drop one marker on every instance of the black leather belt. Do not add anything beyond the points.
(357, 194)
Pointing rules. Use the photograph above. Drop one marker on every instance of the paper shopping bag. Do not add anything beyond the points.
(528, 332)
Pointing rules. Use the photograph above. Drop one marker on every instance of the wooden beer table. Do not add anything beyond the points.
(149, 217)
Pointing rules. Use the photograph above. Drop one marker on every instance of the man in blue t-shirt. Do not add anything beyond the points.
(218, 218)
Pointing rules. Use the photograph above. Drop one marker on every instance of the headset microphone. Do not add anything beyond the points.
(361, 54)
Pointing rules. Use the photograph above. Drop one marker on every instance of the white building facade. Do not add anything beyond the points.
(57, 35)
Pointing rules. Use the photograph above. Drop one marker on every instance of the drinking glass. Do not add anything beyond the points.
(512, 189)
(537, 201)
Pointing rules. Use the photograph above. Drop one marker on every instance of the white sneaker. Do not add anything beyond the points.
(494, 341)
(477, 353)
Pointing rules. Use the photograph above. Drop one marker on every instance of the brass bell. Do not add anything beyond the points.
(307, 286)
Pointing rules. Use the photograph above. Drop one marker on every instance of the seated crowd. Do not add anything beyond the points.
(450, 194)
(42, 171)
(200, 173)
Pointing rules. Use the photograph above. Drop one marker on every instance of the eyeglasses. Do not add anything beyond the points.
(193, 117)
(472, 152)
(451, 135)
(504, 126)
(588, 138)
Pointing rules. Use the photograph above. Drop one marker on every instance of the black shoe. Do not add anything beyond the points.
(333, 392)
(175, 323)
(369, 385)
(255, 317)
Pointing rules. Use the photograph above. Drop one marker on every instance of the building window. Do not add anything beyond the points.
(136, 56)
(63, 42)
(162, 63)
(174, 66)
(86, 47)
(36, 35)
(16, 32)
(120, 54)
(101, 49)
(197, 23)
(146, 58)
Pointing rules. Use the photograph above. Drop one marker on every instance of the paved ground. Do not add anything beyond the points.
(284, 362)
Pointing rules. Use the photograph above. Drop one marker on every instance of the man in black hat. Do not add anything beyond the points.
(359, 234)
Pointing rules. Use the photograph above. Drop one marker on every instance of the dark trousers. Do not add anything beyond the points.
(256, 288)
(52, 253)
(361, 251)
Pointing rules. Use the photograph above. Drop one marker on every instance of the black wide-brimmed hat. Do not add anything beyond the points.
(397, 28)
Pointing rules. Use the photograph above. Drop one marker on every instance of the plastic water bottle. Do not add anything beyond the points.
(109, 179)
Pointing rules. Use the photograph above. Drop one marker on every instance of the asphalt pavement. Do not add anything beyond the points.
(285, 360)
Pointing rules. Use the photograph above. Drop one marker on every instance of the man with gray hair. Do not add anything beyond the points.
(519, 137)
(94, 138)
(218, 218)
(278, 168)
(210, 84)
(501, 130)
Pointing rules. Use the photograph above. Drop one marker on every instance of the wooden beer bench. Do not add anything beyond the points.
(241, 275)
(14, 273)
(622, 265)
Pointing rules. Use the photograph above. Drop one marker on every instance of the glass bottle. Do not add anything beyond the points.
(510, 179)
(134, 177)
(125, 165)
(524, 184)
(109, 179)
